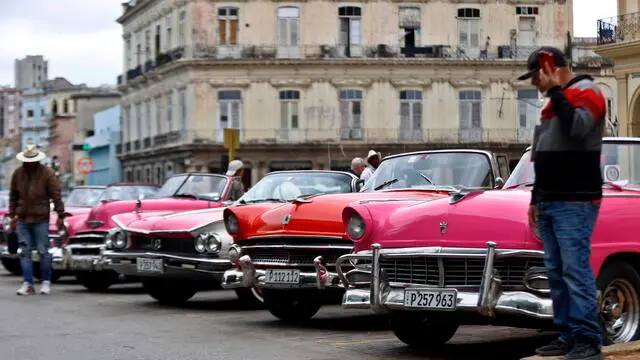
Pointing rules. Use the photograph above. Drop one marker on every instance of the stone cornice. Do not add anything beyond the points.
(351, 82)
(229, 83)
(411, 82)
(520, 84)
(289, 82)
(459, 83)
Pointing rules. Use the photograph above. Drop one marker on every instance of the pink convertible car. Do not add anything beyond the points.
(472, 257)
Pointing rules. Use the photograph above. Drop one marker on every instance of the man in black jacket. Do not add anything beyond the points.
(565, 199)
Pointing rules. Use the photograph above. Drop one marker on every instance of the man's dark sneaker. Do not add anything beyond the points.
(584, 350)
(555, 348)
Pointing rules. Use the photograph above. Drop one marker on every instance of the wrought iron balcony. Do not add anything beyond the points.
(618, 29)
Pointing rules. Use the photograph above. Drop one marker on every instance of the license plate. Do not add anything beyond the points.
(282, 277)
(435, 299)
(82, 264)
(150, 265)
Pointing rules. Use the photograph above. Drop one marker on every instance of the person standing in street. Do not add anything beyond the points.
(373, 160)
(357, 166)
(566, 197)
(236, 170)
(33, 187)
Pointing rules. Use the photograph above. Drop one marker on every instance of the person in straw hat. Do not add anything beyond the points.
(33, 187)
(373, 160)
(236, 170)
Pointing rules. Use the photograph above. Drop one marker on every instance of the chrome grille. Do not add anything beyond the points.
(93, 237)
(294, 251)
(457, 272)
(167, 244)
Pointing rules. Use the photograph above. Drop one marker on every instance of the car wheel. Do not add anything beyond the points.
(418, 331)
(250, 297)
(619, 303)
(291, 306)
(98, 281)
(170, 292)
(12, 266)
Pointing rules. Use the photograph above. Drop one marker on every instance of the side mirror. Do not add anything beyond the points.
(68, 214)
(499, 183)
(359, 184)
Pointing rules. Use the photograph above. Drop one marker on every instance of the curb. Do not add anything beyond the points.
(616, 349)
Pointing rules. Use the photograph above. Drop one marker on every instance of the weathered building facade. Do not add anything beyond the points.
(317, 83)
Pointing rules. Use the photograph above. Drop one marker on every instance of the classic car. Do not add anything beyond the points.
(179, 254)
(288, 251)
(472, 257)
(86, 240)
(79, 201)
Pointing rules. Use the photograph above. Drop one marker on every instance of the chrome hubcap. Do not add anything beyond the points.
(620, 310)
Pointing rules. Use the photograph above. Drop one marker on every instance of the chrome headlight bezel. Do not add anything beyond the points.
(232, 224)
(201, 243)
(356, 227)
(116, 239)
(214, 243)
(64, 232)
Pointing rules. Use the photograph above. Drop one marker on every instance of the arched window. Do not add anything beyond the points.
(470, 115)
(228, 26)
(350, 29)
(411, 115)
(288, 31)
(351, 114)
(469, 28)
(289, 112)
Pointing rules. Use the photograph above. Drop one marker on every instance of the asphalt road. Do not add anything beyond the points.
(126, 324)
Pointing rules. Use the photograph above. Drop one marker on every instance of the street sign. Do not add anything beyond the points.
(84, 165)
(231, 141)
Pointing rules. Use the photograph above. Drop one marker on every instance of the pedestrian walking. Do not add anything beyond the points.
(33, 187)
(236, 170)
(373, 160)
(357, 166)
(566, 196)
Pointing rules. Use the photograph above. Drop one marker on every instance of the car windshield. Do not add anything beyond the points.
(290, 185)
(432, 170)
(619, 163)
(128, 192)
(194, 185)
(83, 197)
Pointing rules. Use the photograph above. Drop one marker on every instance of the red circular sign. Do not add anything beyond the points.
(84, 165)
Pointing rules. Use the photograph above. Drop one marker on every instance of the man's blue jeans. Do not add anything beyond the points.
(34, 236)
(566, 228)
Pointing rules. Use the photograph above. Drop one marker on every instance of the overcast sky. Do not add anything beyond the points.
(83, 43)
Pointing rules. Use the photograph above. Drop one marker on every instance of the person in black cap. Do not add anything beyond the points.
(566, 196)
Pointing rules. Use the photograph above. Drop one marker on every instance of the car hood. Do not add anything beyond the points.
(74, 211)
(317, 216)
(100, 217)
(159, 221)
(471, 221)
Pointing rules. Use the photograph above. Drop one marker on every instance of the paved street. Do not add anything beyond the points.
(125, 323)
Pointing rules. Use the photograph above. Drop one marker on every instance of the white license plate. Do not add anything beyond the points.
(435, 299)
(150, 265)
(282, 277)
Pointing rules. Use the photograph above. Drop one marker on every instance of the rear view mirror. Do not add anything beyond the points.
(499, 183)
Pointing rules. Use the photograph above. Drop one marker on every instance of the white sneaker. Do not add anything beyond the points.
(26, 289)
(45, 289)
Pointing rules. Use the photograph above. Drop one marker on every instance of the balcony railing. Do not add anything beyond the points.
(293, 137)
(202, 51)
(618, 29)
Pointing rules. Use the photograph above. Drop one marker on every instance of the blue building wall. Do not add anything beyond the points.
(102, 148)
(34, 129)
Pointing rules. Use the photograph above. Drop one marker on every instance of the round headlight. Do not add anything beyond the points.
(201, 243)
(355, 227)
(213, 243)
(232, 224)
(234, 253)
(120, 240)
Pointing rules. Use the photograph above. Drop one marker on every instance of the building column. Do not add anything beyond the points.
(624, 125)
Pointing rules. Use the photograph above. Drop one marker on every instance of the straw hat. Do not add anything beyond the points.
(234, 166)
(31, 154)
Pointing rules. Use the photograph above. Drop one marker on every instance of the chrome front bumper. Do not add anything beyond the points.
(81, 262)
(173, 266)
(490, 300)
(249, 276)
(57, 259)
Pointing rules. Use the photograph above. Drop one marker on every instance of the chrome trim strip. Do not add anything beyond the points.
(337, 247)
(320, 237)
(118, 255)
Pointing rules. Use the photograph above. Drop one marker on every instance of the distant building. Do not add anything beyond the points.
(34, 124)
(9, 112)
(102, 147)
(30, 72)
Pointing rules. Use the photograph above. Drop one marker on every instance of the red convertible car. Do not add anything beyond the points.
(288, 251)
(79, 201)
(177, 255)
(434, 265)
(182, 192)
